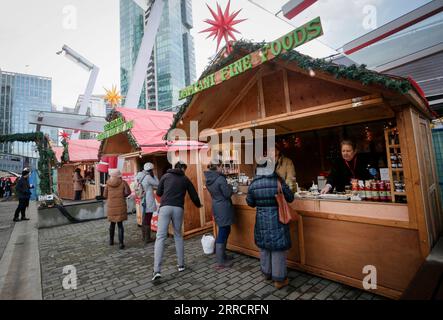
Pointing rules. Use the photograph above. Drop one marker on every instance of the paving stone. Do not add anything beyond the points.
(106, 272)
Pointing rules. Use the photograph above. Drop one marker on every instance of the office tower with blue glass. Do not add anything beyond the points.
(19, 94)
(172, 65)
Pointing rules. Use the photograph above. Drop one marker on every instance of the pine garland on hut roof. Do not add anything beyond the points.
(356, 73)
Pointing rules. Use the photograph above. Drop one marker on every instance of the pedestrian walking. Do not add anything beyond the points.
(78, 181)
(24, 194)
(148, 181)
(222, 209)
(8, 188)
(116, 191)
(2, 187)
(271, 236)
(172, 190)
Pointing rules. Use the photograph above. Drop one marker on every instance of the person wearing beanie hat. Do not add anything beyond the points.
(24, 194)
(115, 192)
(147, 181)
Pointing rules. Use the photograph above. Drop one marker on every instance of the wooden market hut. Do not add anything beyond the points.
(315, 100)
(82, 154)
(144, 143)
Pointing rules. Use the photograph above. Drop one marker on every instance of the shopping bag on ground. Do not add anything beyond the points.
(208, 242)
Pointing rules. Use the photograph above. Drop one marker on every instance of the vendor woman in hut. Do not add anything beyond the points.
(349, 166)
(285, 168)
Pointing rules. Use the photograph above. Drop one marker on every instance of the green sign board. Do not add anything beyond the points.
(309, 31)
(115, 127)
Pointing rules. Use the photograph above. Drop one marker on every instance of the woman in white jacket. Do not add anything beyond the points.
(149, 181)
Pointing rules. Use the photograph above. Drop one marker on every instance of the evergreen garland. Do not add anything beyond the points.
(353, 72)
(47, 157)
(114, 114)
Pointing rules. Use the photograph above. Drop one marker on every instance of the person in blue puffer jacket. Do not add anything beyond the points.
(271, 236)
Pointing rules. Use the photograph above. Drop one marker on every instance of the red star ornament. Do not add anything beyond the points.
(64, 135)
(222, 25)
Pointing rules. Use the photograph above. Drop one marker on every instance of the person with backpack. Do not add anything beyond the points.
(172, 190)
(146, 182)
(116, 191)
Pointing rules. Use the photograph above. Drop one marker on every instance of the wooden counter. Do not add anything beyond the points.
(89, 192)
(360, 233)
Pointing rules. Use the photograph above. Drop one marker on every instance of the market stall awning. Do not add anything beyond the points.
(80, 150)
(149, 129)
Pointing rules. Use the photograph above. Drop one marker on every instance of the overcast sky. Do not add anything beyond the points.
(31, 32)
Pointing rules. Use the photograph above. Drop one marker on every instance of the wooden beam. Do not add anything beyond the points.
(286, 88)
(261, 97)
(237, 100)
(342, 82)
(301, 240)
(413, 189)
(303, 113)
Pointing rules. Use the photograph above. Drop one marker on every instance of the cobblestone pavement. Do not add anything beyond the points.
(7, 209)
(105, 272)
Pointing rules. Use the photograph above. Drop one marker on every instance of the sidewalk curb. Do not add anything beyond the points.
(20, 274)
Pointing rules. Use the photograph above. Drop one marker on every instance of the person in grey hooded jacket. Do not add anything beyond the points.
(148, 181)
(222, 209)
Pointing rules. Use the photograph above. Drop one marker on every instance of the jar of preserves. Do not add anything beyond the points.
(368, 191)
(375, 191)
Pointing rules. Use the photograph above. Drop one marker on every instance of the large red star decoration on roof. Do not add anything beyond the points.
(222, 26)
(64, 135)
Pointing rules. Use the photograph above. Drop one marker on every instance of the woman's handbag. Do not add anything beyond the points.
(285, 212)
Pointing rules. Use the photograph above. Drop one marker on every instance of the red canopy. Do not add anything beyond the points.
(80, 150)
(150, 127)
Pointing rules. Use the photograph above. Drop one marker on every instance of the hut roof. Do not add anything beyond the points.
(80, 150)
(353, 72)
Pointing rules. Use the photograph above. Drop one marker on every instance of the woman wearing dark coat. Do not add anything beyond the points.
(222, 209)
(271, 236)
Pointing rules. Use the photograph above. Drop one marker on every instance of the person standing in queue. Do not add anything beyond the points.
(349, 166)
(148, 181)
(223, 210)
(271, 236)
(78, 181)
(116, 191)
(24, 194)
(172, 190)
(285, 169)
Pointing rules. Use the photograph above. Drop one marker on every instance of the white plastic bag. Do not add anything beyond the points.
(208, 242)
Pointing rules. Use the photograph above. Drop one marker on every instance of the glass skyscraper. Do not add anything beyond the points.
(172, 66)
(19, 94)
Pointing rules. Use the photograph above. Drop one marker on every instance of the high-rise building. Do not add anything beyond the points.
(131, 34)
(19, 94)
(172, 65)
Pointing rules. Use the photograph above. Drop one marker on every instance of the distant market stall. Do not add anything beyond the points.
(134, 137)
(312, 105)
(81, 154)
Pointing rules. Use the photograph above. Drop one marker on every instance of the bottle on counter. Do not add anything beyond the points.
(399, 161)
(393, 160)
